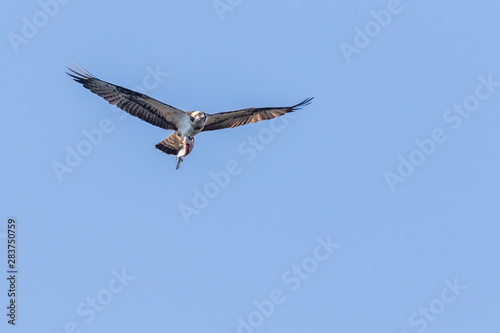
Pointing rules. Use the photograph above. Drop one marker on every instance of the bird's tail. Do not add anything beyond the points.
(171, 145)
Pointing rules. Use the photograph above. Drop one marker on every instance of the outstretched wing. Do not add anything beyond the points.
(135, 103)
(236, 118)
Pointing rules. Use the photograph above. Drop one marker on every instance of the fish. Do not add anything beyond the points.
(187, 147)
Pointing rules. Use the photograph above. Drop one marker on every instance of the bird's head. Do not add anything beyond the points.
(198, 116)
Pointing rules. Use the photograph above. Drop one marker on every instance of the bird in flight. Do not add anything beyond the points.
(185, 124)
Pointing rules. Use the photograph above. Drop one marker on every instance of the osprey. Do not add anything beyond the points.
(185, 124)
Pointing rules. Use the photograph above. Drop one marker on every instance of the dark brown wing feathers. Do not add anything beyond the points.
(135, 103)
(236, 118)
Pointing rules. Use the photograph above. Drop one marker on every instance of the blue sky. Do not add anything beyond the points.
(373, 209)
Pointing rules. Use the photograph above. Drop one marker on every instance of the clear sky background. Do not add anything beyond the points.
(395, 164)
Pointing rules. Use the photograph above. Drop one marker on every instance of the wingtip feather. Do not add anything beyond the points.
(300, 105)
(79, 74)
